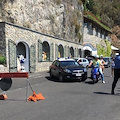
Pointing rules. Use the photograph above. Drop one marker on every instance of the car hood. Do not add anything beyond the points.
(73, 68)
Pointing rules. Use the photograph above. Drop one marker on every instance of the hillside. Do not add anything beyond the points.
(58, 18)
(107, 11)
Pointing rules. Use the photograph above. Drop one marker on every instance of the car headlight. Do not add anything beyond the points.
(67, 71)
(85, 70)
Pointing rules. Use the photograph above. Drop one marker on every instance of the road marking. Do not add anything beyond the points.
(36, 76)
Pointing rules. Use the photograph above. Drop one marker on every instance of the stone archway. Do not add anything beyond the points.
(71, 52)
(23, 49)
(87, 53)
(60, 51)
(45, 51)
(89, 50)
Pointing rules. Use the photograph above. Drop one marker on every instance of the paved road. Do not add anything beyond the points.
(64, 100)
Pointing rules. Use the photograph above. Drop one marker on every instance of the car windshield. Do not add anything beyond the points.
(105, 59)
(68, 63)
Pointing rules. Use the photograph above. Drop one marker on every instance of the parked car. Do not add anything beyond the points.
(83, 61)
(107, 61)
(67, 69)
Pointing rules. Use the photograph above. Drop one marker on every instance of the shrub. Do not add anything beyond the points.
(102, 51)
(2, 60)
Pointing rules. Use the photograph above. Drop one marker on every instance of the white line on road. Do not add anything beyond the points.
(36, 76)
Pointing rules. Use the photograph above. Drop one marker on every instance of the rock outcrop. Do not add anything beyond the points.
(60, 18)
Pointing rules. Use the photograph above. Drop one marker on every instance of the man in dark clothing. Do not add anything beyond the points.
(116, 72)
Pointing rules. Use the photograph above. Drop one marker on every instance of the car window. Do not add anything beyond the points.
(54, 63)
(68, 63)
(84, 60)
(57, 63)
(105, 59)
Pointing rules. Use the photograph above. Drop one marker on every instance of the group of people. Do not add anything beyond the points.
(99, 62)
(115, 69)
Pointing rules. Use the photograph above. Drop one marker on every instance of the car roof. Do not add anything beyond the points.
(65, 59)
(106, 57)
(81, 58)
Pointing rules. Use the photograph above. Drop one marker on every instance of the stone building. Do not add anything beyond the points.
(94, 35)
(41, 31)
(16, 40)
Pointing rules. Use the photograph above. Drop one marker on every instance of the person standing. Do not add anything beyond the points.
(116, 72)
(102, 63)
(112, 67)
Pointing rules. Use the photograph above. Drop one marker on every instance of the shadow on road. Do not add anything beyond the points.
(103, 93)
(65, 81)
(89, 82)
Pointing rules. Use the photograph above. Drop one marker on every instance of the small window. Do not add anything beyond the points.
(54, 63)
(84, 60)
(57, 64)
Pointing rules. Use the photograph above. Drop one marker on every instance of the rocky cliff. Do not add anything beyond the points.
(60, 18)
(116, 36)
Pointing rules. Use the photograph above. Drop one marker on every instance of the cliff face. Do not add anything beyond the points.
(116, 36)
(60, 18)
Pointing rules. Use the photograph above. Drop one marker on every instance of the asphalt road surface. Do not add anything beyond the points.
(63, 100)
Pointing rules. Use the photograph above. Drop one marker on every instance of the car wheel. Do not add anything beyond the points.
(85, 78)
(60, 78)
(80, 80)
(51, 76)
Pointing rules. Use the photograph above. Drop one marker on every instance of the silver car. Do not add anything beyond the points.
(83, 61)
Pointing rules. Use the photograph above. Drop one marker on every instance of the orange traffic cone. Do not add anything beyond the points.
(35, 97)
(3, 97)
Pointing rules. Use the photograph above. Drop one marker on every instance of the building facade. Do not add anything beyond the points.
(93, 35)
(38, 49)
(40, 31)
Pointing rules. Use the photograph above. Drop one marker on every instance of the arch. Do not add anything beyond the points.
(45, 40)
(60, 43)
(87, 53)
(89, 50)
(23, 49)
(60, 51)
(45, 51)
(71, 52)
(80, 52)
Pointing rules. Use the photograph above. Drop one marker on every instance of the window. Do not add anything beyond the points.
(45, 51)
(60, 51)
(84, 60)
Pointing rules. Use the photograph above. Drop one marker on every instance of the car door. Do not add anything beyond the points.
(84, 62)
(57, 68)
(53, 68)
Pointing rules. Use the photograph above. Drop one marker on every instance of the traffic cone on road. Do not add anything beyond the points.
(35, 97)
(3, 97)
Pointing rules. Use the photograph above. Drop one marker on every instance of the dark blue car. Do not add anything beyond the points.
(67, 69)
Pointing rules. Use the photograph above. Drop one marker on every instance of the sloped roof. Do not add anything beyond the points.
(114, 48)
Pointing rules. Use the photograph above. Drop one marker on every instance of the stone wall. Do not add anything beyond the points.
(2, 40)
(19, 34)
(59, 18)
